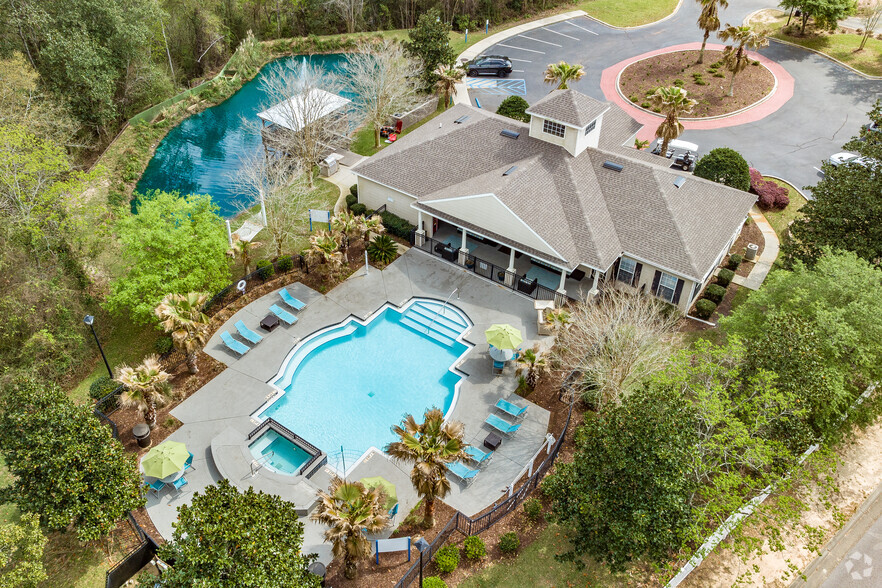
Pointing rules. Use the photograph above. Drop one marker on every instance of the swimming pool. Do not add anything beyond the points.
(343, 387)
(281, 454)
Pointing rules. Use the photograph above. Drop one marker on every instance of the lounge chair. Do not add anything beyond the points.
(283, 314)
(234, 345)
(478, 456)
(291, 301)
(248, 333)
(498, 366)
(179, 483)
(155, 486)
(463, 472)
(511, 409)
(188, 465)
(502, 425)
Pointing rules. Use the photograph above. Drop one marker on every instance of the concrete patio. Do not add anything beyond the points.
(228, 401)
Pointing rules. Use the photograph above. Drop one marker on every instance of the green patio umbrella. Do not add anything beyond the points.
(384, 485)
(165, 459)
(503, 336)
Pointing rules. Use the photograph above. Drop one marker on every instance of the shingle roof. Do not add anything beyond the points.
(569, 107)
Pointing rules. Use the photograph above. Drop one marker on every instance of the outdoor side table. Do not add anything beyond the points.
(269, 322)
(493, 441)
(141, 432)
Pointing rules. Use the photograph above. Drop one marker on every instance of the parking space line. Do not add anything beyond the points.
(562, 34)
(521, 48)
(518, 70)
(521, 60)
(539, 40)
(578, 27)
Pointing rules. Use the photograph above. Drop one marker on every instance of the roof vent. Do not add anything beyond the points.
(679, 181)
(510, 134)
(461, 120)
(510, 170)
(613, 166)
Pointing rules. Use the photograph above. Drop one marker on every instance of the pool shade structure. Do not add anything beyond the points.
(386, 486)
(503, 336)
(165, 459)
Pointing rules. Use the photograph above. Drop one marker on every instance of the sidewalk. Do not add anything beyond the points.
(764, 262)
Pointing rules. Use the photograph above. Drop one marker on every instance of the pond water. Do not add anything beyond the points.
(203, 153)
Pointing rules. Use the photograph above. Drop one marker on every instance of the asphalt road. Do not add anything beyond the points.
(828, 107)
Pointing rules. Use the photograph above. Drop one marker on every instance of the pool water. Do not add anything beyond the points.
(345, 386)
(203, 153)
(285, 456)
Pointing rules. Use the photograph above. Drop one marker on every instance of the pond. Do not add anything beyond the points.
(203, 153)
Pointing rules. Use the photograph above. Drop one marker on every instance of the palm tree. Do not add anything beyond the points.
(448, 77)
(709, 20)
(561, 73)
(735, 56)
(429, 446)
(349, 509)
(242, 249)
(673, 103)
(146, 387)
(323, 250)
(531, 363)
(373, 224)
(348, 226)
(182, 316)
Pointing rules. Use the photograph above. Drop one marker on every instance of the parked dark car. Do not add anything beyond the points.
(489, 65)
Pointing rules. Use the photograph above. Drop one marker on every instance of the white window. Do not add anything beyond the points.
(553, 128)
(590, 127)
(666, 286)
(626, 270)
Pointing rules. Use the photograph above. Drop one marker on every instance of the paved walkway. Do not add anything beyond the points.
(766, 259)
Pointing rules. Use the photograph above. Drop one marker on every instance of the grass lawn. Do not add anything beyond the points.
(628, 13)
(363, 143)
(781, 219)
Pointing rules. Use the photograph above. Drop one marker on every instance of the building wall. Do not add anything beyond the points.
(644, 284)
(374, 195)
(537, 133)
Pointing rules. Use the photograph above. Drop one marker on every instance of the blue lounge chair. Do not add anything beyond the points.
(498, 366)
(501, 425)
(283, 314)
(248, 333)
(188, 465)
(155, 486)
(179, 483)
(234, 345)
(511, 409)
(291, 301)
(464, 473)
(478, 456)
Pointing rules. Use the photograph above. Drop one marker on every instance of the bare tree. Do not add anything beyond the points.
(614, 342)
(349, 10)
(871, 13)
(382, 76)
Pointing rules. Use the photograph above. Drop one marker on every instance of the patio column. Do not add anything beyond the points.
(510, 274)
(464, 249)
(420, 233)
(594, 291)
(560, 297)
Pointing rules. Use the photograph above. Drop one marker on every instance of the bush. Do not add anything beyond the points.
(116, 198)
(679, 83)
(514, 107)
(350, 201)
(285, 264)
(724, 277)
(353, 190)
(397, 225)
(382, 249)
(533, 509)
(724, 166)
(447, 559)
(715, 292)
(704, 308)
(770, 196)
(101, 387)
(434, 582)
(358, 209)
(509, 543)
(265, 269)
(474, 547)
(163, 345)
(734, 261)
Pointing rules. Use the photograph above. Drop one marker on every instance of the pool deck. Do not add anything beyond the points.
(229, 399)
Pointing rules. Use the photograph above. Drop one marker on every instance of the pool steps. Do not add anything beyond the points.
(426, 318)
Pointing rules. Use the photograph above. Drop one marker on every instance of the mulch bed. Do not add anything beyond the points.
(750, 233)
(641, 79)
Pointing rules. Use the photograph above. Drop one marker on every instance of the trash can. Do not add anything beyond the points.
(142, 434)
(317, 568)
(752, 249)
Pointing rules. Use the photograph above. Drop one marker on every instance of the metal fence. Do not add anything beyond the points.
(132, 563)
(260, 274)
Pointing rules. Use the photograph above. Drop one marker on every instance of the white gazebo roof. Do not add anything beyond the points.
(316, 102)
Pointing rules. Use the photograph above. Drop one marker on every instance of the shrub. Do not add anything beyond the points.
(724, 277)
(756, 61)
(101, 387)
(719, 74)
(382, 249)
(704, 308)
(447, 559)
(645, 105)
(358, 209)
(634, 98)
(533, 509)
(163, 345)
(434, 582)
(715, 292)
(679, 83)
(116, 198)
(734, 261)
(724, 166)
(474, 547)
(353, 190)
(265, 269)
(397, 225)
(514, 107)
(285, 264)
(509, 543)
(769, 194)
(350, 201)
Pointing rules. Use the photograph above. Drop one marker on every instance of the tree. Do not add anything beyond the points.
(624, 494)
(709, 20)
(349, 10)
(735, 56)
(146, 387)
(871, 13)
(614, 342)
(324, 250)
(447, 79)
(349, 509)
(225, 537)
(348, 227)
(562, 73)
(514, 107)
(531, 362)
(243, 250)
(724, 166)
(173, 245)
(21, 553)
(429, 446)
(66, 465)
(430, 43)
(826, 13)
(182, 316)
(673, 103)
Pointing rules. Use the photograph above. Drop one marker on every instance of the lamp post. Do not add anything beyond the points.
(89, 319)
(422, 545)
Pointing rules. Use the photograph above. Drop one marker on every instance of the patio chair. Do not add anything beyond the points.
(291, 301)
(502, 425)
(283, 314)
(248, 333)
(498, 367)
(155, 486)
(463, 472)
(511, 409)
(188, 465)
(179, 483)
(478, 456)
(234, 345)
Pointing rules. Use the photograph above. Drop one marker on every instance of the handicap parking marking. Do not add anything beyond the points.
(539, 40)
(521, 60)
(497, 87)
(578, 27)
(521, 48)
(562, 34)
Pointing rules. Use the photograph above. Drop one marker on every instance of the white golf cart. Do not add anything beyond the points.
(683, 153)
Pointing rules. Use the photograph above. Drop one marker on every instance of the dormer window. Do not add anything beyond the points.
(553, 128)
(590, 127)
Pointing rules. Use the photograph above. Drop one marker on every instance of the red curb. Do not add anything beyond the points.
(781, 95)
